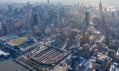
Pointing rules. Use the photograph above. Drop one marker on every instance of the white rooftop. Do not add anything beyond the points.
(3, 53)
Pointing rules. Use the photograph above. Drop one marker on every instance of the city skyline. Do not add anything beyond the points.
(59, 35)
(59, 1)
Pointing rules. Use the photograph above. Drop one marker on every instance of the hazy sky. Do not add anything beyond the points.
(72, 1)
(56, 0)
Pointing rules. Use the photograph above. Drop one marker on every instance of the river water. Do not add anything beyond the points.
(10, 65)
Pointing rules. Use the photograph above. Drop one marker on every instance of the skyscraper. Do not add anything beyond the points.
(27, 4)
(4, 29)
(87, 19)
(100, 9)
(35, 19)
(85, 28)
(35, 16)
(10, 8)
(48, 1)
(0, 25)
(9, 26)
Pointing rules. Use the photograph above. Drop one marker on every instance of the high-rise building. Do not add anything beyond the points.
(9, 26)
(34, 16)
(29, 14)
(85, 27)
(0, 25)
(35, 19)
(100, 9)
(34, 10)
(10, 8)
(48, 1)
(87, 19)
(4, 28)
(78, 40)
(28, 4)
(66, 31)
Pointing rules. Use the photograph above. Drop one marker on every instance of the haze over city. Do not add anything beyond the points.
(69, 1)
(59, 35)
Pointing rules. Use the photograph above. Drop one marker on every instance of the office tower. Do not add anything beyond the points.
(29, 14)
(78, 40)
(87, 18)
(66, 31)
(34, 10)
(48, 1)
(4, 29)
(35, 19)
(42, 27)
(10, 9)
(28, 4)
(47, 30)
(100, 9)
(0, 25)
(85, 27)
(16, 11)
(28, 9)
(34, 16)
(9, 26)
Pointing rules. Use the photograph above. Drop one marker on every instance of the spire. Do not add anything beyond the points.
(48, 1)
(100, 4)
(100, 1)
(100, 9)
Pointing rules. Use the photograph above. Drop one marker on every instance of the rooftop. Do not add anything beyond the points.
(8, 37)
(3, 53)
(49, 56)
(101, 56)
